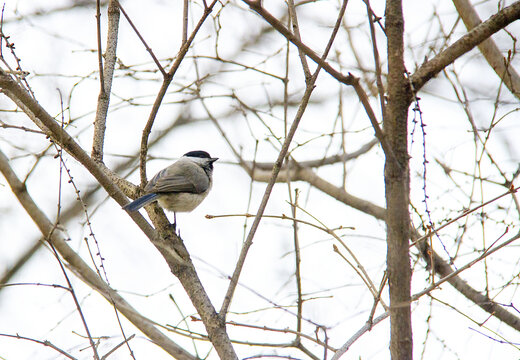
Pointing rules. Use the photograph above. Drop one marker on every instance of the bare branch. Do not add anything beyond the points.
(106, 75)
(365, 328)
(276, 24)
(489, 49)
(44, 343)
(149, 49)
(467, 42)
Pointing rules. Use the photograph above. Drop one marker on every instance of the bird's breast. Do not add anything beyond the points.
(181, 202)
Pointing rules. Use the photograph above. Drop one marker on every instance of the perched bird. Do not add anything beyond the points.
(180, 187)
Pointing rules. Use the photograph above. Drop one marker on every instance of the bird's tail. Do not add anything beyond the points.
(140, 202)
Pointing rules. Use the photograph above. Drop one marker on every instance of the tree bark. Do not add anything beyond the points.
(397, 187)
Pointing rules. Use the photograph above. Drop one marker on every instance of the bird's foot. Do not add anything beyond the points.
(175, 229)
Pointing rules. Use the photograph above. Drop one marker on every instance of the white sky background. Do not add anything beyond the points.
(57, 49)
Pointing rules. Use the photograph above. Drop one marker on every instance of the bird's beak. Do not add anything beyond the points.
(212, 160)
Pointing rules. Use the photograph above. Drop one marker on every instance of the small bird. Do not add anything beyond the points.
(180, 187)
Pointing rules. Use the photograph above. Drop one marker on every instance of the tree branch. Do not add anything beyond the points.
(489, 49)
(466, 43)
(397, 187)
(106, 76)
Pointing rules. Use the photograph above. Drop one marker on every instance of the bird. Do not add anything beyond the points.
(180, 187)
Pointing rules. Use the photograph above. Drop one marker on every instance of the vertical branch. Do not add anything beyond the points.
(292, 19)
(106, 74)
(100, 47)
(296, 31)
(76, 302)
(297, 272)
(185, 22)
(377, 62)
(397, 179)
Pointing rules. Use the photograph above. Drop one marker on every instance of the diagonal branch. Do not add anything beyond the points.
(47, 124)
(489, 49)
(473, 38)
(74, 208)
(257, 7)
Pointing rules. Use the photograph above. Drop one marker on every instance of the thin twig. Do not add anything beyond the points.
(185, 10)
(293, 19)
(367, 327)
(511, 190)
(377, 299)
(76, 302)
(297, 268)
(44, 343)
(285, 331)
(377, 62)
(125, 341)
(100, 48)
(156, 61)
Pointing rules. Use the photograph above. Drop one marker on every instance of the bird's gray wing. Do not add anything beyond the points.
(179, 177)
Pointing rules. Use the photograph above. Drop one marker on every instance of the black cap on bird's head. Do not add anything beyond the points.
(198, 153)
(203, 155)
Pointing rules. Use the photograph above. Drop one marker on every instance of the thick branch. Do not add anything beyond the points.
(473, 38)
(47, 123)
(489, 49)
(397, 187)
(75, 207)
